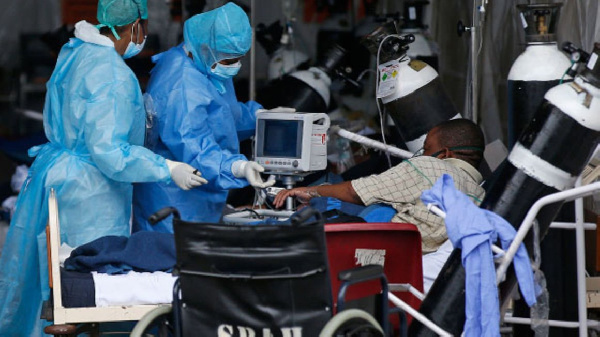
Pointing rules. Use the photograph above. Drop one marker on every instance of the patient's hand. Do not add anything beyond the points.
(302, 194)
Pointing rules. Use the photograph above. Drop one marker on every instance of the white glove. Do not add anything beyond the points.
(277, 109)
(184, 175)
(251, 171)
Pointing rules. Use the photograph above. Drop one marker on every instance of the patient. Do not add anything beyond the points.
(453, 147)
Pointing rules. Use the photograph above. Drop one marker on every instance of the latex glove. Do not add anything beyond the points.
(184, 175)
(251, 171)
(277, 109)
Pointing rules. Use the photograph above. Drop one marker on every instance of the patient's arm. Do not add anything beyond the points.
(342, 191)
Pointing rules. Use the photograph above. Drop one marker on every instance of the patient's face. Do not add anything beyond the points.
(432, 143)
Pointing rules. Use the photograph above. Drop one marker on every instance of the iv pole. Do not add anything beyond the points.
(475, 31)
(472, 112)
(252, 94)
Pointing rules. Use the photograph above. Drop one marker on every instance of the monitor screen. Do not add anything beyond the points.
(281, 138)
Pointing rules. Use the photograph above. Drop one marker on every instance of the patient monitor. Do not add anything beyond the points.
(289, 145)
(289, 142)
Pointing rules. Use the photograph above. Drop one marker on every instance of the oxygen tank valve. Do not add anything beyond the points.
(406, 39)
(578, 56)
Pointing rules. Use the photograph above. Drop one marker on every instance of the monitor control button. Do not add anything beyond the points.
(295, 163)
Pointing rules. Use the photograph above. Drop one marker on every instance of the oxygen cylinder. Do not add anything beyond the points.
(285, 60)
(549, 155)
(304, 90)
(277, 41)
(540, 67)
(423, 48)
(411, 90)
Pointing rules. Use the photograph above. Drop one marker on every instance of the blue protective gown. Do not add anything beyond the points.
(190, 121)
(94, 121)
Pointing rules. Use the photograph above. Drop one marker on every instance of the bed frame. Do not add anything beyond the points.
(65, 320)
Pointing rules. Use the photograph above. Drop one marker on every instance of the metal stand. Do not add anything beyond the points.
(289, 180)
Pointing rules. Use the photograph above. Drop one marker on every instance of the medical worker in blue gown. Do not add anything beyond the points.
(95, 122)
(195, 117)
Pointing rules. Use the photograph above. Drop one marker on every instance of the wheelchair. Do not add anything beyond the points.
(263, 280)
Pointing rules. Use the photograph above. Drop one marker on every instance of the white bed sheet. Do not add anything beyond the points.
(133, 288)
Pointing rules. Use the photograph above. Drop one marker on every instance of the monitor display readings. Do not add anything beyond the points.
(281, 138)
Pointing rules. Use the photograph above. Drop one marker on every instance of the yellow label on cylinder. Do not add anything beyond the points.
(417, 65)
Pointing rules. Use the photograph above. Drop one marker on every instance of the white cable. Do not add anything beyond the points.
(392, 150)
(377, 90)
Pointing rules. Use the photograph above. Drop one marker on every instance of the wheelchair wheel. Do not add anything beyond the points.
(157, 322)
(352, 323)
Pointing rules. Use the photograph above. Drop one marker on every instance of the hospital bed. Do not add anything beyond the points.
(72, 321)
(349, 245)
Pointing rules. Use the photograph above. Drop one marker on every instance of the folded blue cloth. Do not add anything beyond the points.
(323, 204)
(378, 213)
(143, 251)
(474, 230)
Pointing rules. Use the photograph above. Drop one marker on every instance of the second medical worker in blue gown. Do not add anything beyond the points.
(196, 118)
(94, 120)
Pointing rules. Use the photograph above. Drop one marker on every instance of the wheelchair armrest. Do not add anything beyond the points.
(163, 214)
(361, 274)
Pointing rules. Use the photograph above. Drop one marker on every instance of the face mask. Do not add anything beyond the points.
(224, 72)
(133, 48)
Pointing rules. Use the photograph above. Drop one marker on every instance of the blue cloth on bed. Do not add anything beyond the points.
(372, 213)
(323, 204)
(77, 289)
(378, 213)
(143, 251)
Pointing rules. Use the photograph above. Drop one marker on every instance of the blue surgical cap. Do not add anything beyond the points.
(223, 33)
(112, 13)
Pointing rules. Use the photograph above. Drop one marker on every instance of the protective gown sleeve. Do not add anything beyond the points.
(246, 123)
(186, 131)
(108, 122)
(244, 113)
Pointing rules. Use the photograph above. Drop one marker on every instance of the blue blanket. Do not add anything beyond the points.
(143, 251)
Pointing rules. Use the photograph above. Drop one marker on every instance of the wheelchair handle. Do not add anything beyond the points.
(163, 214)
(303, 215)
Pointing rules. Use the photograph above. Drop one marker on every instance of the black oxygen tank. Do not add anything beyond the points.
(548, 157)
(304, 90)
(410, 90)
(540, 67)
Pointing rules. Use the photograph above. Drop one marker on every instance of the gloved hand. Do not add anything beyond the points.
(277, 109)
(184, 175)
(251, 171)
